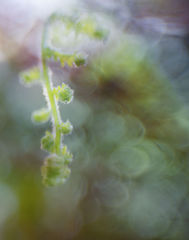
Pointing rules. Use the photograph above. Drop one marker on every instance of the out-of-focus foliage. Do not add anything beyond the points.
(130, 143)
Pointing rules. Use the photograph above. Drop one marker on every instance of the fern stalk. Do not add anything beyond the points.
(56, 167)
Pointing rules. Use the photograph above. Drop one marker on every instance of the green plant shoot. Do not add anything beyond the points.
(56, 168)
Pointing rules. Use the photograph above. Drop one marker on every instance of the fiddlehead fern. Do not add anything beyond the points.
(56, 167)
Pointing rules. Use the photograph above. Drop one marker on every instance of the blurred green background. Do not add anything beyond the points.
(130, 141)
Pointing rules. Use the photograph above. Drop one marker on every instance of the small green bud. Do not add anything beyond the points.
(41, 116)
(79, 60)
(64, 93)
(66, 128)
(30, 76)
(47, 142)
(54, 171)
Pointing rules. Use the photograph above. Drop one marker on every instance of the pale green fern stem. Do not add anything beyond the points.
(49, 86)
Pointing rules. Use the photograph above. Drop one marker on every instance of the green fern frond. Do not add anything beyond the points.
(56, 168)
